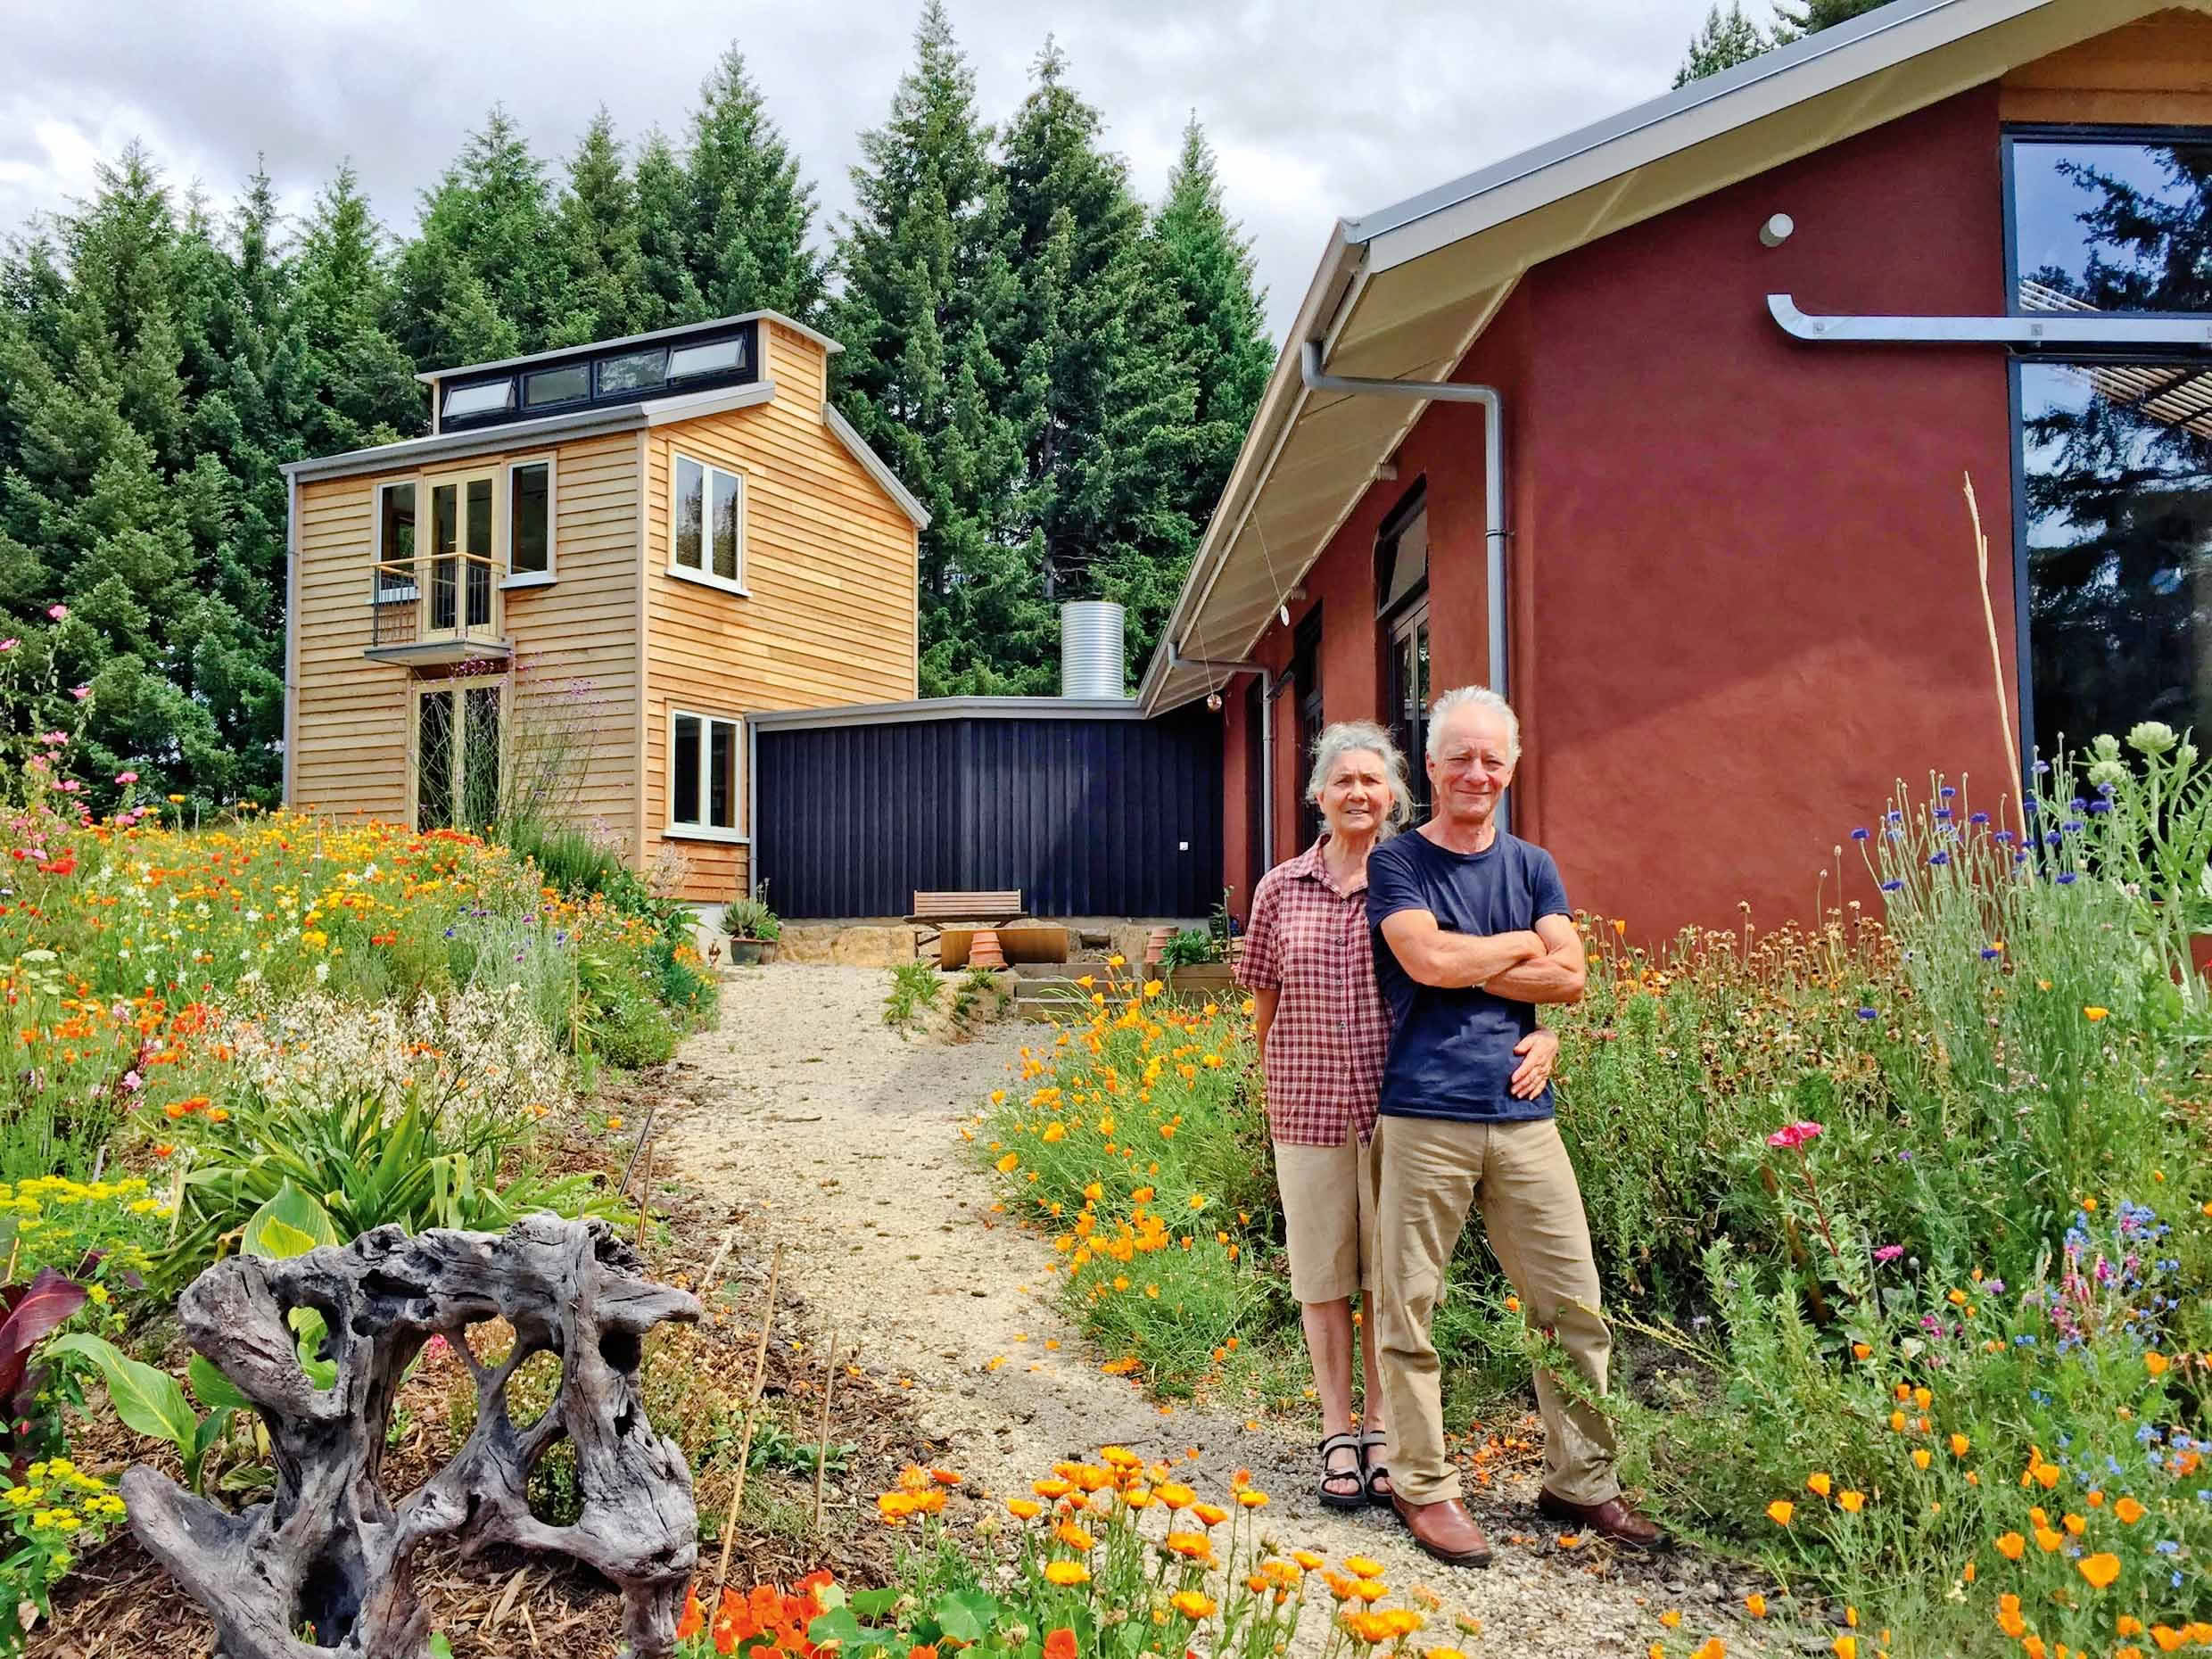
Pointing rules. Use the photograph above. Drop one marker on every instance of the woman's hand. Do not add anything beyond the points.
(1538, 1052)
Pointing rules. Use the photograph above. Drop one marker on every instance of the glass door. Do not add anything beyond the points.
(458, 735)
(460, 595)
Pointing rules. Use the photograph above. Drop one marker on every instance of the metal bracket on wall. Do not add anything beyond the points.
(2054, 328)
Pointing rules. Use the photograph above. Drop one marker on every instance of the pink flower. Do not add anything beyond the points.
(69, 785)
(1792, 1135)
(126, 776)
(80, 692)
(133, 1081)
(53, 738)
(58, 612)
(1889, 1253)
(9, 645)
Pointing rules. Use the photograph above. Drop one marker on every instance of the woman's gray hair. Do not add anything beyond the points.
(1473, 696)
(1347, 737)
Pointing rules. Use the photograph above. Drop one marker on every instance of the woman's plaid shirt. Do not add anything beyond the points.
(1308, 940)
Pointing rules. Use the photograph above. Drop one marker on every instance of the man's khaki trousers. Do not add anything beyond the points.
(1520, 1175)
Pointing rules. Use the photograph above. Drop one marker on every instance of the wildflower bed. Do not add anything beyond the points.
(1909, 1220)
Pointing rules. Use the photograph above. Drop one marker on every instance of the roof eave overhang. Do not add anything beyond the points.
(1416, 284)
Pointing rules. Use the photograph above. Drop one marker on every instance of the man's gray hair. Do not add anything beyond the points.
(1347, 737)
(1473, 696)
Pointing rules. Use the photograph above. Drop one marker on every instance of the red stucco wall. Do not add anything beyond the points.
(1743, 590)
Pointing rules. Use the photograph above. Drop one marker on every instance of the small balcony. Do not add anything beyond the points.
(439, 608)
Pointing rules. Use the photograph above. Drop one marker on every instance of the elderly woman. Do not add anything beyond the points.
(1323, 1029)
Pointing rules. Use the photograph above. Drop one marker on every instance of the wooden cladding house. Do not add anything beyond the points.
(573, 590)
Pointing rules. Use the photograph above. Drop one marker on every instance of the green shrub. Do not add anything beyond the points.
(914, 986)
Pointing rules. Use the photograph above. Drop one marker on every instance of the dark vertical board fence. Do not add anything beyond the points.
(1088, 817)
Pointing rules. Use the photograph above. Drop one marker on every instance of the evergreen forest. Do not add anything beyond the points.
(1061, 372)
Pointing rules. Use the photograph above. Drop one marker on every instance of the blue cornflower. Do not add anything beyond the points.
(449, 933)
(1978, 818)
(2101, 806)
(1939, 858)
(2107, 789)
(1869, 1014)
(2072, 826)
(2168, 1547)
(2023, 1340)
(1942, 811)
(1989, 955)
(1860, 835)
(1946, 791)
(2042, 767)
(2077, 804)
(2002, 838)
(2068, 878)
(1891, 885)
(2051, 837)
(2204, 1494)
(2145, 1434)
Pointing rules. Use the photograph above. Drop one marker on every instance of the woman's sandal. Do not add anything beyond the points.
(1330, 1491)
(1369, 1473)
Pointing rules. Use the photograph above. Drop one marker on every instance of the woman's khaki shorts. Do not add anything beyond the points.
(1329, 1216)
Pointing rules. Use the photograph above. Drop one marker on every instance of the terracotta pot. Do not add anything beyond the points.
(1155, 942)
(983, 951)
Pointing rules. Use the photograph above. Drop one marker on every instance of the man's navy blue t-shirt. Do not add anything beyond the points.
(1451, 1049)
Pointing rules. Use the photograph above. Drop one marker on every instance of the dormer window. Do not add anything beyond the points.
(485, 396)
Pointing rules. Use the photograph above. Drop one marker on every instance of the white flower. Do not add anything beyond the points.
(2111, 772)
(2105, 746)
(2150, 736)
(322, 973)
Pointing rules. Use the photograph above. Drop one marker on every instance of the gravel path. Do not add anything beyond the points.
(848, 1137)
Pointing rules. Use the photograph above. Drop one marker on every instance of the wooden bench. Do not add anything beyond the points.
(983, 907)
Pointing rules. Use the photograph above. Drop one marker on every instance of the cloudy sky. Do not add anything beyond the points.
(1318, 111)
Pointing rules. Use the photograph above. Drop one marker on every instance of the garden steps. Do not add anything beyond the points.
(1044, 989)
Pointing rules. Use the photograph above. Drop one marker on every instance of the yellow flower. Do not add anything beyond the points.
(1920, 1457)
(1117, 961)
(1360, 1567)
(1024, 1509)
(1819, 1483)
(1309, 1559)
(1055, 1132)
(1780, 1510)
(1252, 1500)
(1852, 1502)
(1192, 1604)
(1009, 1163)
(1959, 1444)
(1067, 1573)
(1672, 1618)
(2093, 1014)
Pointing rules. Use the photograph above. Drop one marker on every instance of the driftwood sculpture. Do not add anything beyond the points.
(327, 1567)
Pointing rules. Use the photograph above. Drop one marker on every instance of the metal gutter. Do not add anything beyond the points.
(529, 434)
(2049, 328)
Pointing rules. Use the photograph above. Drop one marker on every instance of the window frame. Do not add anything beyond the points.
(377, 593)
(705, 574)
(674, 830)
(545, 578)
(2011, 136)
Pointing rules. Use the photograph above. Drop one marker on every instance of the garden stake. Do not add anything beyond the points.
(821, 1438)
(752, 1405)
(706, 1283)
(645, 1200)
(645, 1131)
(1996, 660)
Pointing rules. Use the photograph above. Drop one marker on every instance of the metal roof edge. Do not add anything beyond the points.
(1680, 101)
(530, 433)
(876, 466)
(432, 376)
(948, 709)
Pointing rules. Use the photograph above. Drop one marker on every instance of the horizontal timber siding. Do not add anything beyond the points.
(2154, 72)
(829, 615)
(573, 681)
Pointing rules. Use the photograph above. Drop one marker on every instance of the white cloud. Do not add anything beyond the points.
(1317, 112)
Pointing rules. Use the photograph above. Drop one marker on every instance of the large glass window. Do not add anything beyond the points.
(2115, 452)
(457, 754)
(2116, 458)
(558, 385)
(395, 541)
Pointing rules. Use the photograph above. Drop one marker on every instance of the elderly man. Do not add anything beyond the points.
(1471, 931)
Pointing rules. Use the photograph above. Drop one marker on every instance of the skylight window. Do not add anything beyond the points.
(716, 357)
(486, 397)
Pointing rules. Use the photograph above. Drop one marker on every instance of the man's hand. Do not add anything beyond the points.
(1538, 1052)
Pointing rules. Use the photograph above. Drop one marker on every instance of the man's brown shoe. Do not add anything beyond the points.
(1612, 1519)
(1446, 1530)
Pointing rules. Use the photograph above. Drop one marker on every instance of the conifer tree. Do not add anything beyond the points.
(927, 287)
(362, 382)
(749, 211)
(671, 293)
(607, 294)
(1727, 40)
(485, 273)
(1795, 18)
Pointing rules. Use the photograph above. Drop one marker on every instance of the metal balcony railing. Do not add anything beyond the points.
(437, 599)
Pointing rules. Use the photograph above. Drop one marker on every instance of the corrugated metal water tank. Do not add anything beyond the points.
(1090, 658)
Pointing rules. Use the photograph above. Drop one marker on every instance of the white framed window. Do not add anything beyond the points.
(529, 524)
(392, 557)
(705, 524)
(705, 777)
